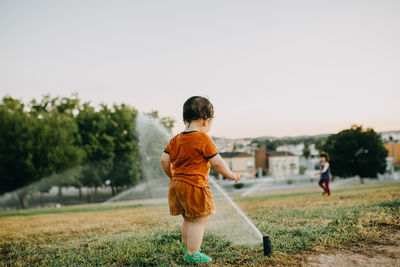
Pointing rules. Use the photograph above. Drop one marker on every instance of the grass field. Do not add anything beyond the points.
(300, 222)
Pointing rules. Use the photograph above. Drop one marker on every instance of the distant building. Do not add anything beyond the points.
(223, 144)
(260, 156)
(242, 145)
(298, 149)
(390, 137)
(233, 145)
(282, 163)
(240, 162)
(393, 155)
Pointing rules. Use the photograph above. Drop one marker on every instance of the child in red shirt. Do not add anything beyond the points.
(186, 160)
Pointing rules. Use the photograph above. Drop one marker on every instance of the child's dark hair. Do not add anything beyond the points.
(197, 107)
(324, 155)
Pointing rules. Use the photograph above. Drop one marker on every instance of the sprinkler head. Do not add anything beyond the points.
(267, 245)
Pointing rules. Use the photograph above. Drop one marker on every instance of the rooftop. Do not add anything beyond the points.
(235, 155)
(279, 153)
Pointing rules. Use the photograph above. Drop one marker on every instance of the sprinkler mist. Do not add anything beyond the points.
(152, 137)
(266, 239)
(230, 222)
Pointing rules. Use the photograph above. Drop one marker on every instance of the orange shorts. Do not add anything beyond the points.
(190, 200)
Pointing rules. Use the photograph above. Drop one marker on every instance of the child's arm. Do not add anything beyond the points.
(220, 166)
(326, 166)
(166, 164)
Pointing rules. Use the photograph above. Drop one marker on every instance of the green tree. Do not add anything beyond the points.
(258, 143)
(168, 122)
(356, 151)
(98, 145)
(320, 143)
(55, 148)
(306, 151)
(35, 143)
(272, 145)
(125, 169)
(57, 128)
(17, 168)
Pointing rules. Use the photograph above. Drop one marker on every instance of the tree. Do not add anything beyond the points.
(168, 122)
(125, 169)
(36, 142)
(55, 139)
(306, 151)
(272, 145)
(356, 151)
(98, 145)
(257, 143)
(320, 143)
(55, 148)
(17, 168)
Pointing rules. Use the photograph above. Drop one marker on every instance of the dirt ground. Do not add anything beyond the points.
(384, 251)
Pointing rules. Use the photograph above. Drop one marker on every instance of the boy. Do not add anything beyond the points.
(186, 160)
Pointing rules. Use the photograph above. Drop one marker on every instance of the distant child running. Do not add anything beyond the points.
(186, 160)
(325, 174)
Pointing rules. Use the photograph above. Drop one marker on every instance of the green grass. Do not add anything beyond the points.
(309, 193)
(148, 249)
(298, 222)
(299, 230)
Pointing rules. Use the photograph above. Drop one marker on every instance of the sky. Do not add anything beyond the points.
(270, 68)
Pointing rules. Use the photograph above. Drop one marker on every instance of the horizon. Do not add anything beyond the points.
(300, 136)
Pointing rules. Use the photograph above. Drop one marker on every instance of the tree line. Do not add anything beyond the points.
(356, 151)
(273, 143)
(75, 143)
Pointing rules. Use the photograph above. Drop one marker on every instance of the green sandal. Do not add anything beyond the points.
(197, 257)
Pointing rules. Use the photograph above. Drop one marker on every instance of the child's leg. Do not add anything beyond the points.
(187, 222)
(321, 184)
(195, 234)
(328, 190)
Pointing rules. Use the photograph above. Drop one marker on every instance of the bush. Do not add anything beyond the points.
(290, 181)
(302, 169)
(238, 185)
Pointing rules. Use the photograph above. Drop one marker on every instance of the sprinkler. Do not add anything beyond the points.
(267, 245)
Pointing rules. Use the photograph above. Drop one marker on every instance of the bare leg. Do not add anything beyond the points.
(187, 222)
(195, 234)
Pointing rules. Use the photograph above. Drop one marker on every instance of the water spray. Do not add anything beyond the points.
(153, 137)
(266, 239)
(117, 197)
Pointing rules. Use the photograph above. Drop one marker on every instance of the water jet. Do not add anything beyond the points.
(266, 239)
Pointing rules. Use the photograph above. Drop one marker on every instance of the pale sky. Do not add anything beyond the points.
(276, 68)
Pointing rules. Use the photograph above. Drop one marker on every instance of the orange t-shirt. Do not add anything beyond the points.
(189, 153)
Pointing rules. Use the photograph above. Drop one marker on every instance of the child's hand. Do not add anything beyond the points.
(235, 177)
